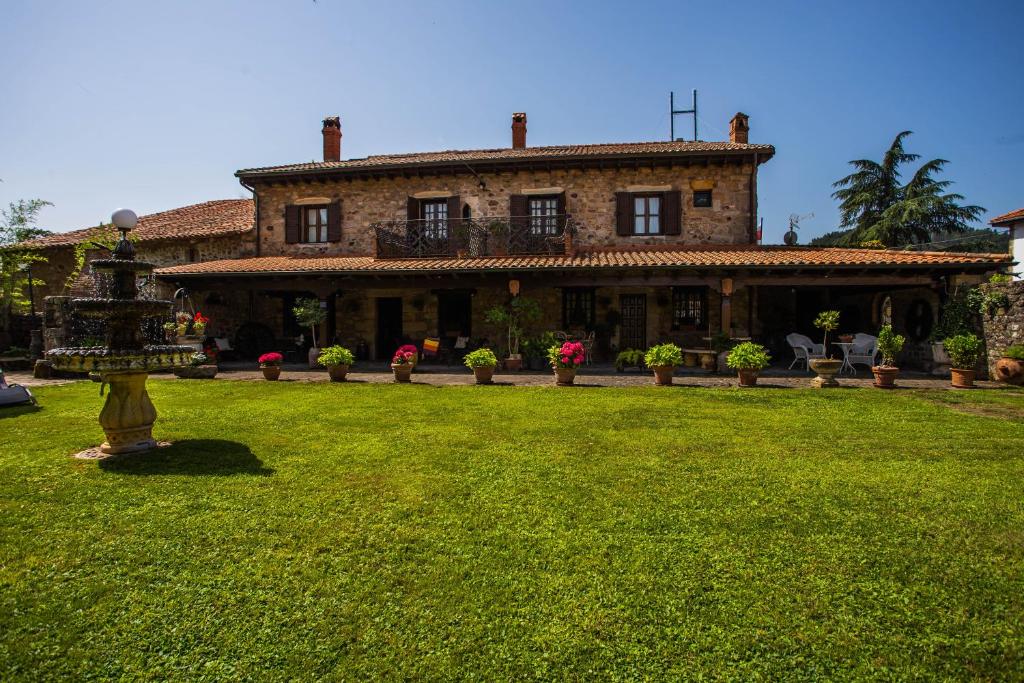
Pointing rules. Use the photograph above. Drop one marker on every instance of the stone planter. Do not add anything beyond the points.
(483, 374)
(940, 359)
(196, 372)
(314, 355)
(748, 377)
(514, 363)
(826, 369)
(885, 376)
(565, 376)
(722, 357)
(962, 379)
(663, 374)
(1009, 370)
(403, 372)
(271, 372)
(337, 373)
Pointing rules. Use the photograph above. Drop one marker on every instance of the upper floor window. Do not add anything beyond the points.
(647, 214)
(314, 224)
(689, 307)
(702, 198)
(435, 219)
(543, 212)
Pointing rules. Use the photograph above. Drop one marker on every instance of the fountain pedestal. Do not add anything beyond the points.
(128, 415)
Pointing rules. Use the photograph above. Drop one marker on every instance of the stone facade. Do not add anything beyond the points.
(590, 199)
(1005, 327)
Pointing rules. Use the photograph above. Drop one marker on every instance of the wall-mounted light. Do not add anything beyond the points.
(513, 287)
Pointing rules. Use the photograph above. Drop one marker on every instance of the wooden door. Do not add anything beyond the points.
(389, 327)
(633, 332)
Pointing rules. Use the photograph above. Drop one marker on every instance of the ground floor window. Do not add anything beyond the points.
(578, 307)
(689, 307)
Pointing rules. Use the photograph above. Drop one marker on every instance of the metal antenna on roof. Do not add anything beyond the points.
(673, 112)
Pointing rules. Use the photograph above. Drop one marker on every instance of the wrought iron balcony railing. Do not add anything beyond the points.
(474, 237)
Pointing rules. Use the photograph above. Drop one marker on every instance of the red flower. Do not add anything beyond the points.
(272, 358)
(200, 318)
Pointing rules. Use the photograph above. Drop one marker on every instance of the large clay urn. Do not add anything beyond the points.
(1009, 370)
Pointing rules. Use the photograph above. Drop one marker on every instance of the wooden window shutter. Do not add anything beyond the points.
(518, 210)
(291, 224)
(334, 222)
(672, 207)
(455, 221)
(454, 208)
(413, 209)
(623, 213)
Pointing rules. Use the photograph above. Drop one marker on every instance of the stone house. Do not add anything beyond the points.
(1014, 222)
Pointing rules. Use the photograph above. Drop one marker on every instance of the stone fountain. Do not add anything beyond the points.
(124, 361)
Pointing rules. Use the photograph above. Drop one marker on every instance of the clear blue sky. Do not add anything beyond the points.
(155, 105)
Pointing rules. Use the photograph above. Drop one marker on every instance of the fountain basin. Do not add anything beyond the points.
(105, 360)
(134, 308)
(110, 265)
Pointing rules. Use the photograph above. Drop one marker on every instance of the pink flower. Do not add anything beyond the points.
(578, 360)
(565, 359)
(408, 355)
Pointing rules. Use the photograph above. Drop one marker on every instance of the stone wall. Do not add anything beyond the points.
(1004, 327)
(590, 198)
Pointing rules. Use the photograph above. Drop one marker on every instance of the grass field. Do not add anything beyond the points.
(303, 531)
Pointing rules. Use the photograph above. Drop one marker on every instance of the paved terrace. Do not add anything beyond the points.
(595, 376)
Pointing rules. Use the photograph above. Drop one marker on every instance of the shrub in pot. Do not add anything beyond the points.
(748, 360)
(964, 351)
(629, 358)
(514, 317)
(337, 360)
(200, 367)
(826, 368)
(1010, 367)
(663, 359)
(309, 313)
(482, 362)
(270, 363)
(889, 344)
(402, 364)
(565, 360)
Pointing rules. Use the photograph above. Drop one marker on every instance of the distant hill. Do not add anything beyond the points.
(986, 241)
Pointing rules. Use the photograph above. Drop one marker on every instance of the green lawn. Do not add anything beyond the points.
(303, 531)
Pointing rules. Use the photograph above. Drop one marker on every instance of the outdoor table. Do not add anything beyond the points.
(846, 347)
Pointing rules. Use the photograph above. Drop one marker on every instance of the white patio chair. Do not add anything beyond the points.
(804, 349)
(864, 350)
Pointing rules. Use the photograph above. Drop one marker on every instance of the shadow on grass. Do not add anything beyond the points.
(199, 457)
(17, 411)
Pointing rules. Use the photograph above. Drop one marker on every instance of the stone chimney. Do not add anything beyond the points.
(519, 130)
(739, 128)
(332, 138)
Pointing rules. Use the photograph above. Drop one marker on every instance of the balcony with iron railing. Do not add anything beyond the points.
(474, 237)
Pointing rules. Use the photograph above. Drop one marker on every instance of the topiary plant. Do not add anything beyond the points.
(308, 313)
(335, 355)
(964, 350)
(889, 344)
(829, 322)
(481, 358)
(748, 356)
(663, 354)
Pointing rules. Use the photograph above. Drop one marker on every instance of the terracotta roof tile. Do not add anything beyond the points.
(1008, 218)
(677, 257)
(210, 219)
(623, 149)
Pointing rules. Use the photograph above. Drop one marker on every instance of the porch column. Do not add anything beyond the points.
(726, 290)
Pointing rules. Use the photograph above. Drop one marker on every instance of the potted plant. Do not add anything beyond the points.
(270, 363)
(721, 343)
(663, 359)
(182, 318)
(565, 360)
(964, 351)
(514, 316)
(402, 364)
(482, 362)
(889, 344)
(199, 324)
(748, 360)
(200, 367)
(1010, 367)
(337, 360)
(308, 313)
(171, 331)
(629, 358)
(826, 368)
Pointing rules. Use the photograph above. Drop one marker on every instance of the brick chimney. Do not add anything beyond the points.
(332, 138)
(519, 130)
(739, 128)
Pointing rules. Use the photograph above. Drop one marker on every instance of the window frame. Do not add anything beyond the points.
(543, 224)
(647, 215)
(585, 301)
(702, 193)
(323, 217)
(435, 228)
(683, 301)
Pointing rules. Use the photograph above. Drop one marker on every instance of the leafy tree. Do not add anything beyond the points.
(17, 224)
(877, 205)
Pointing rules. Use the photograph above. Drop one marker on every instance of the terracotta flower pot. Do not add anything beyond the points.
(403, 372)
(565, 376)
(885, 376)
(337, 372)
(271, 372)
(663, 374)
(748, 377)
(826, 369)
(962, 379)
(514, 363)
(1009, 370)
(483, 374)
